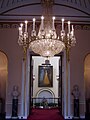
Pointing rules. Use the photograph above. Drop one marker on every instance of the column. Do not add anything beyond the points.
(69, 93)
(27, 84)
(68, 103)
(64, 86)
(23, 89)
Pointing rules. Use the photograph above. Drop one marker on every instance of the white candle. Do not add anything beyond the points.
(21, 25)
(62, 24)
(68, 26)
(72, 30)
(42, 25)
(53, 23)
(20, 29)
(26, 25)
(33, 24)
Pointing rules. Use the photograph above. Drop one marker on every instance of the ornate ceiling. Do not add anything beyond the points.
(76, 10)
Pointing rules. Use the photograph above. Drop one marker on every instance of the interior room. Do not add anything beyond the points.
(45, 59)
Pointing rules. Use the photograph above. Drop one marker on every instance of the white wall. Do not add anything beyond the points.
(54, 61)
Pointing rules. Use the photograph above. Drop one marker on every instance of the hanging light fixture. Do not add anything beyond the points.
(46, 42)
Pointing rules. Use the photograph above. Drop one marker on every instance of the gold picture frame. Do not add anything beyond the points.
(45, 76)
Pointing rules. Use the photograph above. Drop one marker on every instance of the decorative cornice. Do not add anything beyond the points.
(6, 5)
(8, 25)
(82, 27)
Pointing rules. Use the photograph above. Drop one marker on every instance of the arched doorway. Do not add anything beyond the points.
(45, 94)
(87, 83)
(3, 80)
(37, 61)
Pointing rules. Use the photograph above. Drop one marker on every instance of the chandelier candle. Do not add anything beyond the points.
(20, 29)
(62, 24)
(26, 26)
(42, 25)
(53, 28)
(72, 31)
(33, 24)
(69, 27)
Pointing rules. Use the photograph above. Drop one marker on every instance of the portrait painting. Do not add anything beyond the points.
(45, 76)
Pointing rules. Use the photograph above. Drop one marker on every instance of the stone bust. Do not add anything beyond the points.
(75, 92)
(15, 93)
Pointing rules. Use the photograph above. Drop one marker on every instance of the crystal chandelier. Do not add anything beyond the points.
(46, 42)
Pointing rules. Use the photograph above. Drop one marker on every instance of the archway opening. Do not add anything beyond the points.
(52, 92)
(87, 83)
(3, 80)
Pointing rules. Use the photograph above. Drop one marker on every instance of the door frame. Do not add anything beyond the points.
(31, 80)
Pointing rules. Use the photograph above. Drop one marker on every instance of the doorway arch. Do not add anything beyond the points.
(87, 83)
(3, 79)
(45, 93)
(56, 61)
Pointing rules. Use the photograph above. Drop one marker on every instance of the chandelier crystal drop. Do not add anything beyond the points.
(46, 42)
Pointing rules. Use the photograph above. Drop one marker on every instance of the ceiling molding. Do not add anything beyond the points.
(9, 7)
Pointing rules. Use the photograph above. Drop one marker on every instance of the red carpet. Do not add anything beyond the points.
(45, 114)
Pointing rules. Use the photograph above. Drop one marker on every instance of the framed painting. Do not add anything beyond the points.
(45, 76)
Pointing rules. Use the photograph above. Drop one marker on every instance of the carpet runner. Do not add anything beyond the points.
(45, 114)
